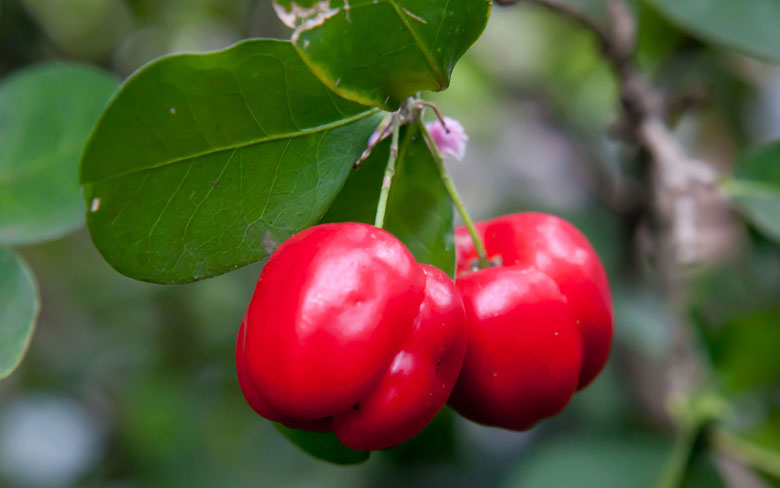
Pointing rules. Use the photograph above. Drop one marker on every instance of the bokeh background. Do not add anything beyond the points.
(128, 384)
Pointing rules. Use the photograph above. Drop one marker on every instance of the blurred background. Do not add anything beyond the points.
(128, 384)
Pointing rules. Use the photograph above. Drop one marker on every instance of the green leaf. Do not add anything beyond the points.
(434, 445)
(379, 52)
(747, 26)
(419, 210)
(46, 114)
(19, 306)
(203, 163)
(323, 445)
(755, 189)
(744, 350)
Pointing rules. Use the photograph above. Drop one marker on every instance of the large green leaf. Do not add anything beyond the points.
(19, 306)
(379, 52)
(46, 114)
(749, 26)
(419, 210)
(755, 189)
(323, 445)
(206, 162)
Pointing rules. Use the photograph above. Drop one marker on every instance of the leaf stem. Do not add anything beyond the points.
(387, 181)
(695, 418)
(453, 192)
(677, 466)
(747, 452)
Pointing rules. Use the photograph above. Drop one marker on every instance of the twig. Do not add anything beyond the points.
(387, 181)
(682, 454)
(432, 106)
(479, 246)
(747, 452)
(677, 178)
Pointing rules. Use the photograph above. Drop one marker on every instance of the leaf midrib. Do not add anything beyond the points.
(440, 78)
(243, 145)
(426, 54)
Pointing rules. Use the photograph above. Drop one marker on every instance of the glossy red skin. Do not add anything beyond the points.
(259, 404)
(331, 308)
(556, 247)
(524, 351)
(421, 377)
(338, 313)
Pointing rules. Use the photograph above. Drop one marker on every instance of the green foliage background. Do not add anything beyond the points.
(142, 375)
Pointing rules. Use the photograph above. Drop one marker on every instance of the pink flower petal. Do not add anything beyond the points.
(452, 143)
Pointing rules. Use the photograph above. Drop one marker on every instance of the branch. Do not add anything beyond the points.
(682, 193)
(750, 454)
(680, 181)
(570, 12)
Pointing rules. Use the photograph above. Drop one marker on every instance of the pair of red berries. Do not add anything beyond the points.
(346, 332)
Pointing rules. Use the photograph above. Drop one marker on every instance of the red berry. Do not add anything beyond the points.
(345, 329)
(420, 378)
(557, 248)
(260, 404)
(465, 252)
(524, 349)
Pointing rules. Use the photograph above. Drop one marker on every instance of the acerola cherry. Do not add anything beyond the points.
(557, 248)
(524, 349)
(347, 331)
(464, 248)
(421, 376)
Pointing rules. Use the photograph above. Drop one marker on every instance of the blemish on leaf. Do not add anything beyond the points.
(346, 10)
(269, 243)
(303, 19)
(95, 205)
(418, 19)
(172, 110)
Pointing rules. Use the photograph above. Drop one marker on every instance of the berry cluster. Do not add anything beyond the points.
(347, 332)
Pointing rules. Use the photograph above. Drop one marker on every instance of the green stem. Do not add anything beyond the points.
(747, 452)
(682, 453)
(453, 192)
(387, 181)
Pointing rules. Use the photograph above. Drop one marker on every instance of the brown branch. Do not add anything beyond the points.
(678, 178)
(682, 190)
(571, 12)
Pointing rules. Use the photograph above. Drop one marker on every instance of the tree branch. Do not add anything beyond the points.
(682, 190)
